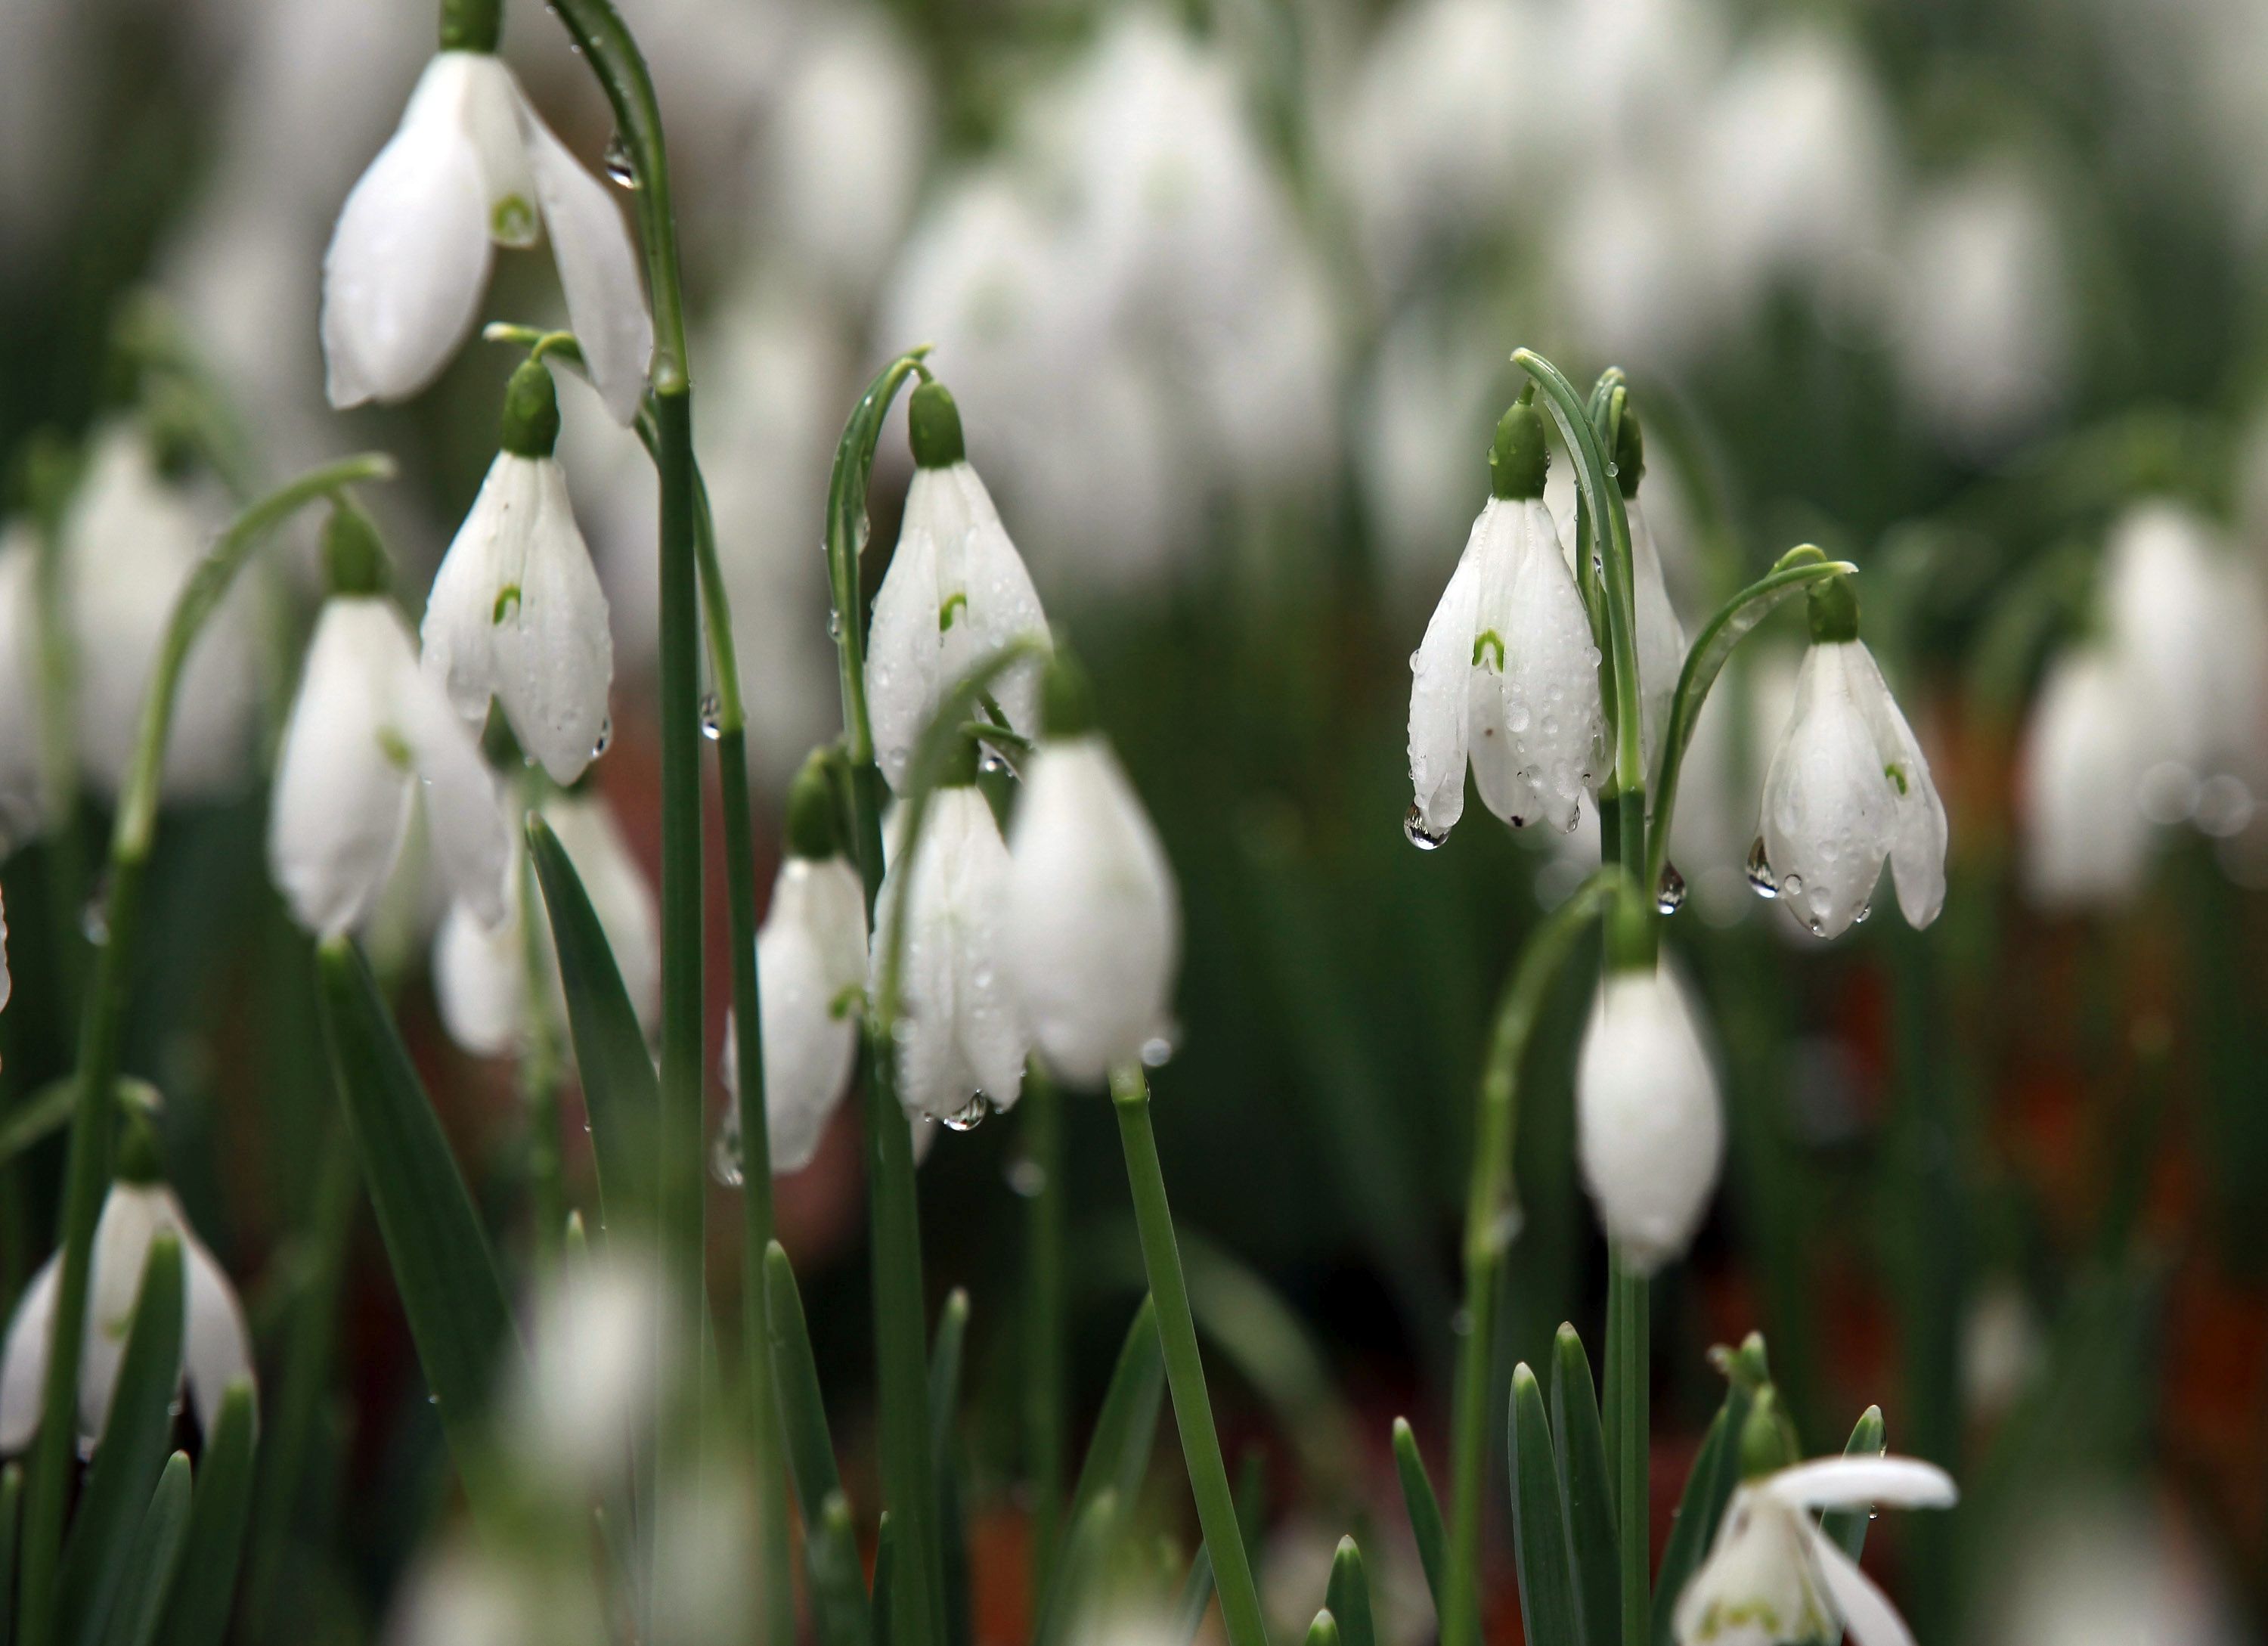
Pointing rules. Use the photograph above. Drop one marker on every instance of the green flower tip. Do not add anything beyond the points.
(811, 826)
(1066, 698)
(1630, 453)
(531, 411)
(471, 24)
(1834, 611)
(137, 1148)
(353, 558)
(1518, 458)
(934, 423)
(1765, 1437)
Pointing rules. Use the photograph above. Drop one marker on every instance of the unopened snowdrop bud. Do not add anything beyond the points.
(1773, 1578)
(1506, 677)
(368, 732)
(1661, 637)
(811, 970)
(215, 1347)
(956, 594)
(2086, 750)
(961, 1041)
(1093, 924)
(2188, 617)
(473, 165)
(1650, 1128)
(1848, 788)
(516, 612)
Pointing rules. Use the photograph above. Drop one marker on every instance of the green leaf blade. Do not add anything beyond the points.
(1424, 1511)
(1846, 1528)
(1586, 1491)
(198, 1612)
(152, 1559)
(1547, 1587)
(1347, 1598)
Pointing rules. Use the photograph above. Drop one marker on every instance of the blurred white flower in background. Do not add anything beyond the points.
(2086, 747)
(597, 1360)
(1422, 430)
(45, 54)
(23, 790)
(2101, 1566)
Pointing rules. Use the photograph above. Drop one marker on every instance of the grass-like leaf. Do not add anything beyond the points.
(1424, 1511)
(197, 1614)
(1587, 1492)
(1847, 1527)
(1708, 1488)
(1539, 1526)
(139, 1605)
(1086, 1558)
(1347, 1599)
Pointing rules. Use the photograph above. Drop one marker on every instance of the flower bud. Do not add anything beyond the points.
(1651, 1130)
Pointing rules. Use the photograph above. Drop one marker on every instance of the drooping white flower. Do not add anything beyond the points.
(215, 1347)
(130, 540)
(368, 731)
(1650, 1128)
(1506, 677)
(516, 612)
(480, 980)
(1773, 1578)
(1848, 787)
(1093, 925)
(2086, 750)
(598, 1354)
(956, 594)
(473, 165)
(961, 1038)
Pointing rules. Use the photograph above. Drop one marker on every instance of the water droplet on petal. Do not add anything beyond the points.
(1860, 918)
(1669, 891)
(1761, 879)
(1157, 1052)
(1791, 887)
(970, 1115)
(1414, 829)
(606, 737)
(713, 716)
(620, 170)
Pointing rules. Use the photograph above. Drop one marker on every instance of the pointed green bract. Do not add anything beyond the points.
(197, 1613)
(1424, 1511)
(147, 1573)
(1347, 1599)
(1087, 1551)
(1539, 1528)
(1324, 1631)
(838, 1582)
(795, 1380)
(1125, 1433)
(1586, 1491)
(1847, 1527)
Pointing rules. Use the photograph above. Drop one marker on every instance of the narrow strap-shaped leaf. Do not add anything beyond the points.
(945, 1365)
(1586, 1491)
(620, 1088)
(197, 1614)
(1424, 1511)
(1118, 1455)
(1324, 1631)
(1196, 1599)
(1547, 1588)
(1085, 1556)
(1708, 1486)
(1796, 570)
(139, 1606)
(886, 1578)
(945, 1372)
(1847, 1527)
(12, 1517)
(795, 1383)
(443, 1266)
(838, 1582)
(132, 1450)
(1347, 1598)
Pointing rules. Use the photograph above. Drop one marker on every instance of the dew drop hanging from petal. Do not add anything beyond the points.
(1414, 829)
(970, 1116)
(1669, 890)
(620, 170)
(1761, 879)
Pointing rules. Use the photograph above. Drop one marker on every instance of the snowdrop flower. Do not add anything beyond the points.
(367, 732)
(1661, 637)
(1506, 675)
(1650, 1128)
(216, 1346)
(473, 165)
(1092, 930)
(955, 594)
(1848, 787)
(516, 612)
(961, 1041)
(1774, 1577)
(2086, 750)
(130, 540)
(23, 796)
(811, 970)
(598, 1354)
(481, 972)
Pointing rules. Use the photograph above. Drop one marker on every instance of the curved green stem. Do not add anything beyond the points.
(1488, 1211)
(1161, 1261)
(102, 1024)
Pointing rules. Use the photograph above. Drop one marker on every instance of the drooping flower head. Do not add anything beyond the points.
(1650, 1128)
(1848, 788)
(1092, 923)
(955, 595)
(2087, 749)
(516, 613)
(1506, 677)
(369, 731)
(473, 167)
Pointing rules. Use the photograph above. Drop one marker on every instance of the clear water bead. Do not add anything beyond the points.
(606, 737)
(1761, 879)
(620, 171)
(713, 716)
(1669, 890)
(970, 1116)
(1414, 829)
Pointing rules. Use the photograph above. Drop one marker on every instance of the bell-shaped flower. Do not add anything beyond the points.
(1093, 925)
(1650, 1129)
(215, 1347)
(960, 1036)
(956, 594)
(2086, 750)
(810, 972)
(368, 732)
(1848, 788)
(1773, 1578)
(473, 165)
(482, 980)
(130, 539)
(1506, 677)
(516, 612)
(1661, 637)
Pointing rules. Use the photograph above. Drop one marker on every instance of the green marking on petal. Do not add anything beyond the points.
(1489, 639)
(507, 602)
(945, 613)
(1896, 773)
(513, 220)
(847, 1001)
(392, 744)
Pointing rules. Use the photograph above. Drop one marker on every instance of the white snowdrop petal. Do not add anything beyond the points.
(989, 1021)
(1650, 1129)
(24, 1363)
(490, 115)
(1759, 1585)
(343, 780)
(1661, 637)
(480, 982)
(1440, 671)
(1828, 812)
(1918, 833)
(598, 271)
(810, 951)
(23, 797)
(479, 578)
(217, 1344)
(1002, 606)
(1553, 717)
(132, 1217)
(1092, 919)
(1859, 1482)
(903, 655)
(553, 653)
(2086, 840)
(403, 274)
(1866, 1611)
(471, 844)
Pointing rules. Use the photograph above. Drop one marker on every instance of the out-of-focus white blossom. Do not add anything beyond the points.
(2188, 617)
(596, 1361)
(23, 799)
(2099, 1565)
(2085, 747)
